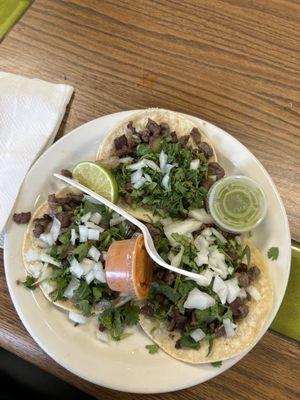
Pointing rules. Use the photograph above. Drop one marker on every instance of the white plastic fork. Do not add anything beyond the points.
(147, 237)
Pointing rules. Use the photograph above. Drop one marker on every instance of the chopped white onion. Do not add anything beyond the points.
(104, 253)
(148, 178)
(73, 285)
(125, 160)
(96, 218)
(116, 220)
(74, 236)
(77, 318)
(242, 295)
(90, 199)
(201, 243)
(168, 167)
(33, 255)
(229, 327)
(166, 221)
(83, 233)
(206, 233)
(138, 165)
(85, 217)
(48, 286)
(90, 277)
(218, 235)
(199, 300)
(151, 164)
(99, 272)
(46, 273)
(200, 214)
(220, 287)
(233, 289)
(201, 258)
(91, 225)
(136, 176)
(197, 334)
(216, 262)
(35, 268)
(51, 237)
(204, 278)
(175, 260)
(254, 293)
(163, 158)
(75, 268)
(93, 234)
(165, 181)
(184, 227)
(102, 336)
(194, 164)
(140, 183)
(94, 253)
(87, 265)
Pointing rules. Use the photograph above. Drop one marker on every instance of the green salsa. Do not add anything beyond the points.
(237, 203)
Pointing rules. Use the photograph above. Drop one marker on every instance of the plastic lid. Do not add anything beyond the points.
(237, 203)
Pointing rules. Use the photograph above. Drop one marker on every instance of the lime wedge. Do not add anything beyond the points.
(97, 178)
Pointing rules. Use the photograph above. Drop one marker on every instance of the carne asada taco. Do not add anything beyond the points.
(163, 163)
(64, 251)
(217, 316)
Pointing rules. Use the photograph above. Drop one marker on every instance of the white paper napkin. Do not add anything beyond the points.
(31, 111)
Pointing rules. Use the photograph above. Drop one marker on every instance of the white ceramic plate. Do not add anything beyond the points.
(126, 365)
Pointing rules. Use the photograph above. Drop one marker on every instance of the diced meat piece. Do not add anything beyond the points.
(154, 232)
(174, 138)
(164, 129)
(183, 140)
(238, 308)
(153, 127)
(180, 321)
(102, 328)
(232, 253)
(22, 218)
(220, 331)
(196, 136)
(147, 310)
(40, 225)
(65, 219)
(66, 173)
(193, 320)
(131, 128)
(207, 183)
(178, 344)
(71, 200)
(243, 279)
(120, 142)
(215, 169)
(145, 135)
(169, 277)
(253, 273)
(206, 149)
(244, 267)
(128, 199)
(160, 297)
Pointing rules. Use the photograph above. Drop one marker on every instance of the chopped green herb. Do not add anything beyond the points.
(85, 308)
(152, 348)
(81, 251)
(273, 253)
(216, 364)
(29, 282)
(188, 341)
(210, 339)
(247, 253)
(83, 292)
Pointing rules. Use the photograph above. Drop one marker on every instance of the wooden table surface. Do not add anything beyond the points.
(235, 63)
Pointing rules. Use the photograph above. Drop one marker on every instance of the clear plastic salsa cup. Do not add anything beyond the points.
(237, 203)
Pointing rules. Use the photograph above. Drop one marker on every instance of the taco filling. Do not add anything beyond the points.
(64, 252)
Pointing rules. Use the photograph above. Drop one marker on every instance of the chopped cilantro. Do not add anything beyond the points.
(85, 308)
(29, 282)
(247, 253)
(273, 253)
(81, 251)
(216, 364)
(188, 341)
(152, 348)
(116, 319)
(83, 292)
